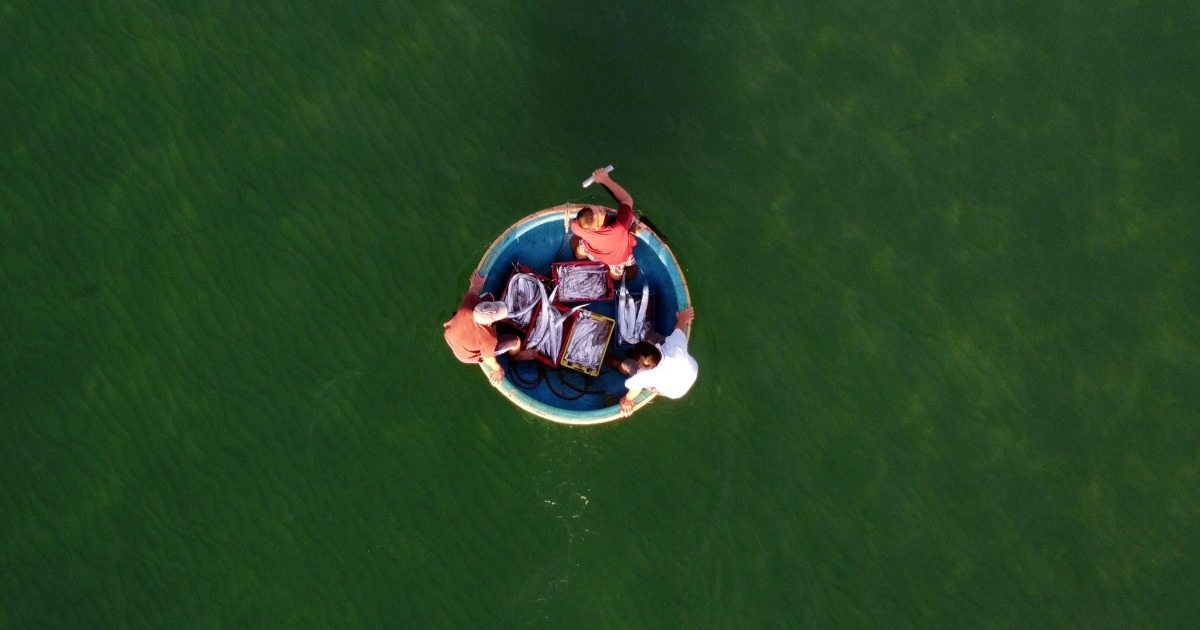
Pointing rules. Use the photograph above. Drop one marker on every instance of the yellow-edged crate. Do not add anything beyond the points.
(585, 330)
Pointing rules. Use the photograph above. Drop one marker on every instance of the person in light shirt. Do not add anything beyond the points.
(665, 368)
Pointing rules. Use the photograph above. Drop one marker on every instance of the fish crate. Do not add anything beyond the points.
(620, 343)
(586, 339)
(607, 293)
(546, 284)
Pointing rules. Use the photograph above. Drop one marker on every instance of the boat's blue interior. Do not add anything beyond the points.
(536, 243)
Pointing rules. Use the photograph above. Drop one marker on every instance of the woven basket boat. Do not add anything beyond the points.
(561, 394)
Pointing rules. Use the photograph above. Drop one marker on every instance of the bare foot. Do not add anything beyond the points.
(524, 355)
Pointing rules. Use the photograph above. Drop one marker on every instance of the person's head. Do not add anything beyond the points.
(490, 312)
(591, 218)
(646, 355)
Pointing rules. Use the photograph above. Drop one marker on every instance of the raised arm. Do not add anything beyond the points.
(613, 188)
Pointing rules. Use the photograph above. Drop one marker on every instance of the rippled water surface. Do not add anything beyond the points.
(943, 258)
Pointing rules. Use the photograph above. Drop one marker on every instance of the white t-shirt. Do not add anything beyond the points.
(674, 374)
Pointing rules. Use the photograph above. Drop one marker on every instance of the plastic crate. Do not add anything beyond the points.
(609, 292)
(572, 325)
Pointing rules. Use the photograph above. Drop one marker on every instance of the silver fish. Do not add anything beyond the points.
(589, 339)
(640, 323)
(582, 282)
(631, 314)
(546, 335)
(523, 293)
(622, 311)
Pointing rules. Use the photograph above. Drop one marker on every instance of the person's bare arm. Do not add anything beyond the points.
(627, 400)
(613, 188)
(476, 283)
(496, 372)
(684, 317)
(471, 298)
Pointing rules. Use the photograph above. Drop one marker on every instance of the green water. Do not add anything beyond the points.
(943, 258)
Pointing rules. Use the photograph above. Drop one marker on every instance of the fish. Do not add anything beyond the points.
(639, 324)
(523, 293)
(622, 313)
(582, 282)
(546, 334)
(631, 314)
(537, 338)
(589, 340)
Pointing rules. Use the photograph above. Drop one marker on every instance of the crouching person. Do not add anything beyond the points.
(665, 368)
(606, 239)
(471, 332)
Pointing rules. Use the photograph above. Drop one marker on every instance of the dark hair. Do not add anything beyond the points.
(645, 349)
(588, 219)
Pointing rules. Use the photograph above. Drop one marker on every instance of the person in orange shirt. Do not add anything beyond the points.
(471, 332)
(606, 239)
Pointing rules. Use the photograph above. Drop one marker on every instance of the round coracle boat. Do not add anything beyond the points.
(563, 388)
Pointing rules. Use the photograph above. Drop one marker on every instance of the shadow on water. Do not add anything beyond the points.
(327, 400)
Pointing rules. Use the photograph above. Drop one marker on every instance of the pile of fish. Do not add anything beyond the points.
(526, 292)
(589, 339)
(546, 334)
(582, 282)
(523, 293)
(631, 315)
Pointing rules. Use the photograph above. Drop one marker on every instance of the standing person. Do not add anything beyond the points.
(665, 368)
(602, 238)
(471, 332)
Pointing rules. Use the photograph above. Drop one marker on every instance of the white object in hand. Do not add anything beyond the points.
(592, 180)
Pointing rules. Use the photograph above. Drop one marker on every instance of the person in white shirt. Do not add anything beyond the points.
(665, 368)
